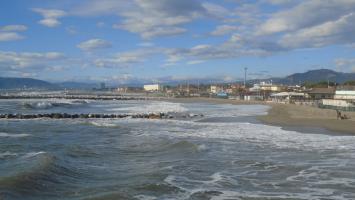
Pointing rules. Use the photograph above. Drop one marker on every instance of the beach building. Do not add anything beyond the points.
(152, 87)
(288, 97)
(348, 95)
(321, 93)
(343, 99)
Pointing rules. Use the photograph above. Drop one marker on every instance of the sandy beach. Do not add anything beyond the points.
(290, 115)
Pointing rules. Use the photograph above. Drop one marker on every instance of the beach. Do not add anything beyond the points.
(290, 115)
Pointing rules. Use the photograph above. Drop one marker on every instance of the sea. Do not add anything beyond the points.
(205, 151)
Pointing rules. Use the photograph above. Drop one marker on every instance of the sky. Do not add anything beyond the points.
(126, 41)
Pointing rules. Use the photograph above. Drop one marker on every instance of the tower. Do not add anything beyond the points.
(245, 76)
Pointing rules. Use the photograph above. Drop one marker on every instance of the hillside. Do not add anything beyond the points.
(16, 83)
(319, 75)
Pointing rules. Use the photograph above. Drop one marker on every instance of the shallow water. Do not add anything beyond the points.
(227, 154)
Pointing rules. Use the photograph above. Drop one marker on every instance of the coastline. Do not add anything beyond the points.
(290, 115)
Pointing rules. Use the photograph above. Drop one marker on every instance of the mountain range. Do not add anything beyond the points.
(23, 83)
(297, 78)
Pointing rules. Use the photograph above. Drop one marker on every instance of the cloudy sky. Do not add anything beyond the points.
(126, 40)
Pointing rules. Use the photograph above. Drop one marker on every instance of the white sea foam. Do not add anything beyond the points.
(258, 134)
(153, 107)
(33, 154)
(274, 136)
(145, 197)
(12, 135)
(104, 123)
(190, 187)
(46, 104)
(229, 110)
(7, 154)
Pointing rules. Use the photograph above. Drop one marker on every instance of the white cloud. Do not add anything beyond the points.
(195, 62)
(223, 30)
(28, 75)
(129, 58)
(146, 44)
(14, 28)
(101, 7)
(306, 14)
(10, 36)
(9, 32)
(94, 44)
(340, 31)
(345, 64)
(147, 18)
(100, 24)
(215, 10)
(50, 16)
(281, 2)
(71, 30)
(28, 60)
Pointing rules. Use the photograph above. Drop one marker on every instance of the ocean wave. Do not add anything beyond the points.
(183, 146)
(34, 173)
(103, 123)
(77, 151)
(153, 107)
(7, 154)
(52, 104)
(12, 135)
(252, 133)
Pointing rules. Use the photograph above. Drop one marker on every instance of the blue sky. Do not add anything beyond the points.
(120, 41)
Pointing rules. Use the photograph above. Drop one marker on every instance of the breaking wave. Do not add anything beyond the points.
(50, 104)
(153, 107)
(33, 173)
(12, 135)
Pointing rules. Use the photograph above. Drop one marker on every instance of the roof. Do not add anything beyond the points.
(322, 91)
(286, 94)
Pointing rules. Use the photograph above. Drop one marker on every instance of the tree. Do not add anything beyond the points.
(321, 84)
(352, 83)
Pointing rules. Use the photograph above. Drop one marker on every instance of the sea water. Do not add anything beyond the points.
(226, 154)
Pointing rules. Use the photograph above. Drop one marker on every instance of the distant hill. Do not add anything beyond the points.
(16, 83)
(312, 76)
(319, 75)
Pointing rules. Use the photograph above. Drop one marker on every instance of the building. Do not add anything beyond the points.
(152, 87)
(348, 95)
(321, 93)
(288, 97)
(215, 89)
(271, 87)
(344, 99)
(263, 86)
(122, 89)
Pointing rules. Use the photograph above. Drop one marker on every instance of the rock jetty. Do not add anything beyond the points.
(95, 116)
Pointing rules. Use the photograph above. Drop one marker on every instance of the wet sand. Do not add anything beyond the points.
(289, 115)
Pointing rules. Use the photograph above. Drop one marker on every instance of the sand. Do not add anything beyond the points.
(290, 115)
(298, 115)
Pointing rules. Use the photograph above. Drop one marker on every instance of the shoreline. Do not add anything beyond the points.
(290, 116)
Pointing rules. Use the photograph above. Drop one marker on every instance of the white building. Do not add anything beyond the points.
(215, 89)
(153, 87)
(345, 95)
